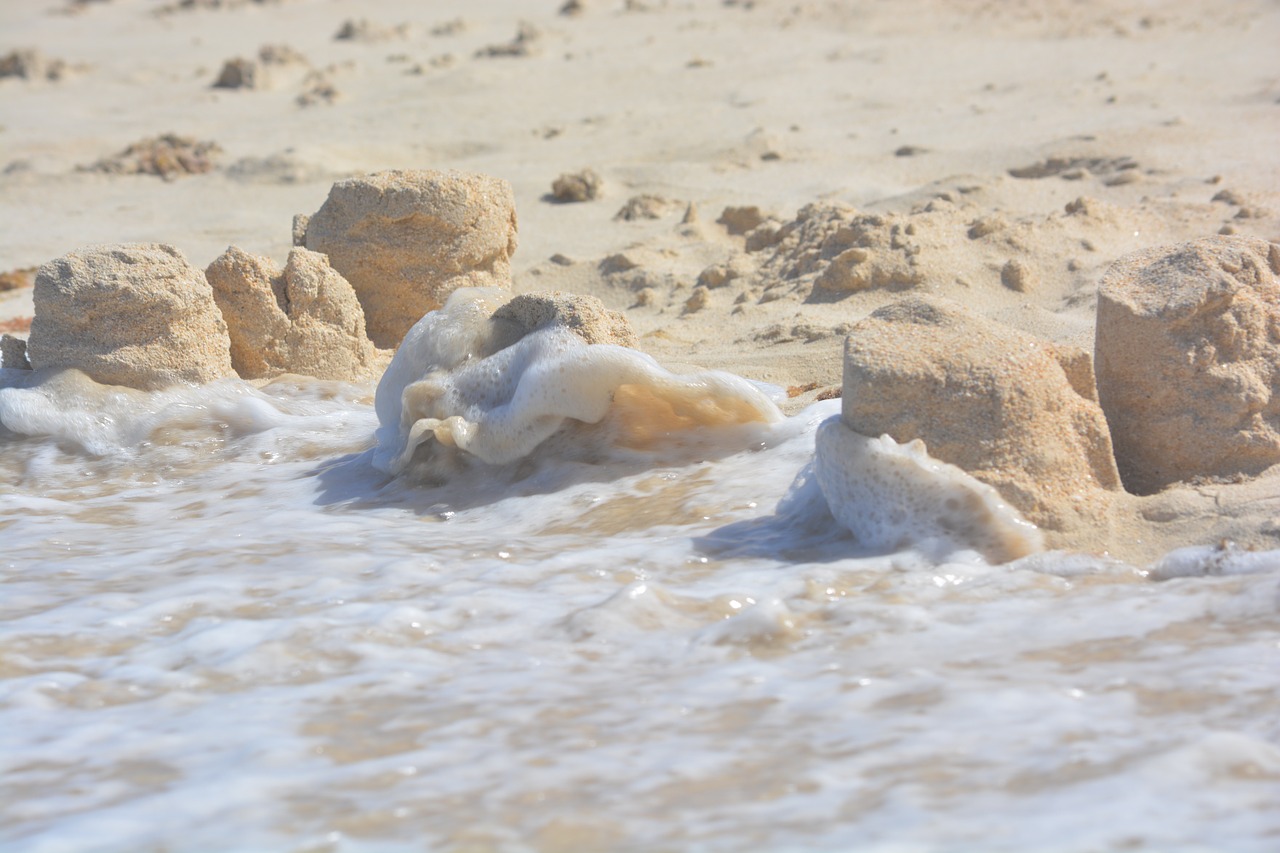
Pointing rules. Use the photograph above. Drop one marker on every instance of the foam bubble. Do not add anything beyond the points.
(458, 384)
(895, 496)
(1226, 558)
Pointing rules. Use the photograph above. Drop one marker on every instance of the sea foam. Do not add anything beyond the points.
(458, 383)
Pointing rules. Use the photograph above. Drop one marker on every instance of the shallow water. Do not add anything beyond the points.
(222, 629)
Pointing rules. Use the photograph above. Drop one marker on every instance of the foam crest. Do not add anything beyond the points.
(894, 496)
(457, 384)
(1226, 558)
(85, 416)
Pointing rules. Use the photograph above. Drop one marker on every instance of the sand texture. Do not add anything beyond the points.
(304, 319)
(744, 182)
(407, 239)
(133, 314)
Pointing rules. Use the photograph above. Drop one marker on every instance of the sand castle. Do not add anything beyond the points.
(955, 429)
(406, 240)
(303, 319)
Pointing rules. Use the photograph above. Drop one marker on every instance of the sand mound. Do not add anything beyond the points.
(1188, 339)
(168, 156)
(576, 186)
(1011, 410)
(304, 319)
(31, 64)
(584, 316)
(407, 239)
(134, 314)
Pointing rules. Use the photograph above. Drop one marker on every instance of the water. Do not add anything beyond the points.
(222, 628)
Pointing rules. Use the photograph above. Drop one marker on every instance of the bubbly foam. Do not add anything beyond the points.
(456, 382)
(895, 496)
(231, 630)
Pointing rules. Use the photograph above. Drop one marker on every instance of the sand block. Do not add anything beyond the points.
(1009, 409)
(134, 314)
(407, 239)
(304, 319)
(13, 353)
(1187, 348)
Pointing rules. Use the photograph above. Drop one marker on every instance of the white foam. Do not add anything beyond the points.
(453, 384)
(1223, 559)
(894, 496)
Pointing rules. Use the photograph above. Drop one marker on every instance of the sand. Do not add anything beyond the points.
(1000, 155)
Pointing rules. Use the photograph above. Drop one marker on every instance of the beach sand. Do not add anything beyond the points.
(1022, 147)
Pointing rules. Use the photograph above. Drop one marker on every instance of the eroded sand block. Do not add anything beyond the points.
(893, 496)
(305, 319)
(13, 353)
(407, 239)
(585, 316)
(460, 385)
(135, 314)
(1187, 348)
(1010, 409)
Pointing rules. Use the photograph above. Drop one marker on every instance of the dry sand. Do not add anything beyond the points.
(998, 154)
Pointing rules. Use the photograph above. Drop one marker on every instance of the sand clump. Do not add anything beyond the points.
(13, 353)
(17, 279)
(363, 30)
(843, 250)
(168, 156)
(584, 316)
(741, 219)
(576, 187)
(1187, 348)
(1011, 410)
(31, 64)
(304, 319)
(133, 314)
(645, 207)
(406, 239)
(525, 43)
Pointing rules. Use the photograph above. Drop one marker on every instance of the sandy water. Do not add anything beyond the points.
(222, 629)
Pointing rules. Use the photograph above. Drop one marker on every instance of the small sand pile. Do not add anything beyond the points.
(191, 5)
(318, 88)
(524, 44)
(17, 279)
(646, 207)
(576, 187)
(241, 73)
(31, 64)
(168, 156)
(362, 30)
